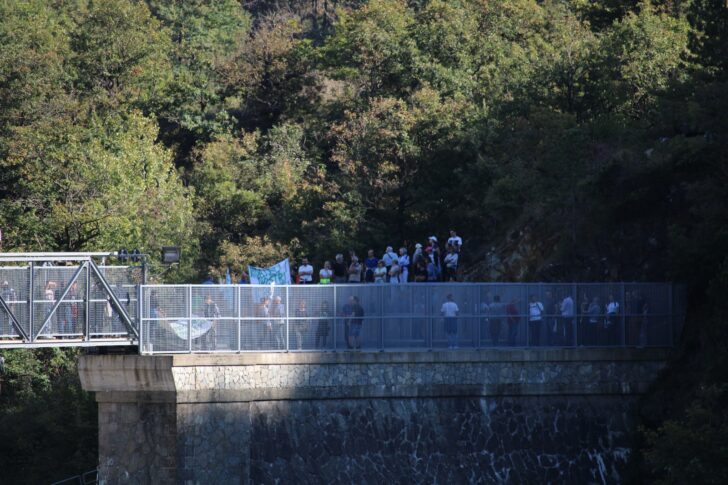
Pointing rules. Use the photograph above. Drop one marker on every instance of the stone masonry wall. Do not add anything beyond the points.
(137, 442)
(561, 416)
(452, 440)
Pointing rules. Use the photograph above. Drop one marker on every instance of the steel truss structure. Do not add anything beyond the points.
(67, 300)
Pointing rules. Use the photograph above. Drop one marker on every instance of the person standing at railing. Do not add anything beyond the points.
(514, 319)
(612, 321)
(449, 312)
(566, 322)
(404, 262)
(485, 318)
(394, 272)
(535, 321)
(432, 273)
(324, 322)
(583, 320)
(594, 335)
(370, 265)
(305, 272)
(262, 313)
(155, 325)
(302, 323)
(389, 257)
(355, 270)
(341, 271)
(497, 312)
(434, 254)
(9, 296)
(211, 312)
(278, 314)
(551, 310)
(380, 272)
(455, 241)
(354, 312)
(418, 255)
(419, 271)
(326, 275)
(451, 264)
(69, 316)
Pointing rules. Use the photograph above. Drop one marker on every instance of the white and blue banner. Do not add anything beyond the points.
(279, 273)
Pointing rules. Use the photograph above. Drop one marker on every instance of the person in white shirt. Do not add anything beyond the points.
(566, 322)
(305, 272)
(389, 257)
(455, 241)
(450, 312)
(535, 318)
(404, 262)
(380, 272)
(451, 264)
(326, 274)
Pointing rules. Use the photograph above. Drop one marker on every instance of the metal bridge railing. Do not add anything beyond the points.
(244, 318)
(80, 304)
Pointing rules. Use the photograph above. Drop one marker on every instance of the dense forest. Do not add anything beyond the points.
(565, 140)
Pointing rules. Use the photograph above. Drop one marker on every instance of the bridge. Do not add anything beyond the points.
(77, 299)
(250, 383)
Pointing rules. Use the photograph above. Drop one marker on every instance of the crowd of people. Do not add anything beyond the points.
(558, 320)
(427, 263)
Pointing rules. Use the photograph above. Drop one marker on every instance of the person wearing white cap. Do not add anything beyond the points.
(389, 257)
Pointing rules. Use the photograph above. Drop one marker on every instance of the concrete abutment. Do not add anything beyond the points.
(559, 415)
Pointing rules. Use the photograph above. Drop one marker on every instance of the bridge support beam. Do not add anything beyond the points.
(531, 415)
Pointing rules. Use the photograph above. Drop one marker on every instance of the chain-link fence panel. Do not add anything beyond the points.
(14, 292)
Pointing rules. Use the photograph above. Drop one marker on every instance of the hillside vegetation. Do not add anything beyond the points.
(566, 140)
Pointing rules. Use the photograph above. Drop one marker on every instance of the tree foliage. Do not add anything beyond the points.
(591, 135)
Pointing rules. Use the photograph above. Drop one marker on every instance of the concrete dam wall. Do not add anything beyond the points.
(491, 416)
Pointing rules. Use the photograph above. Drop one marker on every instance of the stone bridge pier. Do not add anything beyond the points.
(509, 416)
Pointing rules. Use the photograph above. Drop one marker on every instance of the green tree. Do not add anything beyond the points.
(121, 55)
(204, 34)
(95, 187)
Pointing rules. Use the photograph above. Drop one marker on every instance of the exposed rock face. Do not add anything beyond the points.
(541, 416)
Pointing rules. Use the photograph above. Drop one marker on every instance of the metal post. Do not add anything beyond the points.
(574, 327)
(31, 303)
(240, 325)
(189, 320)
(670, 317)
(478, 303)
(381, 317)
(335, 313)
(138, 289)
(87, 326)
(527, 316)
(288, 321)
(624, 320)
(428, 297)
